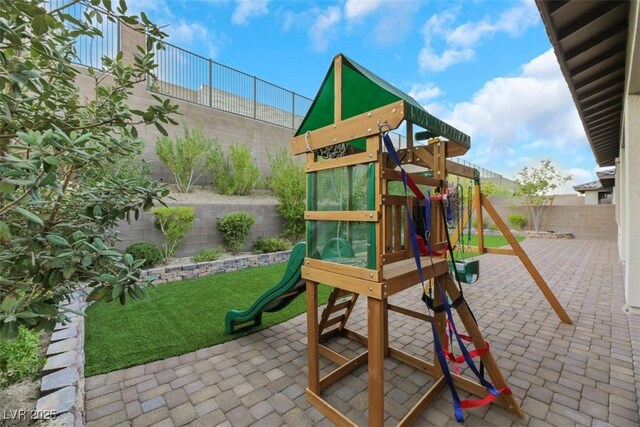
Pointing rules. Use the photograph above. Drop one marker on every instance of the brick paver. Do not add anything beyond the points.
(587, 373)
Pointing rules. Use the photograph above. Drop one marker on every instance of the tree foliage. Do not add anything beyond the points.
(538, 185)
(235, 227)
(59, 203)
(287, 181)
(174, 222)
(233, 174)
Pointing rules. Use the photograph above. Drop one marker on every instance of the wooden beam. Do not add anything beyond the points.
(362, 125)
(524, 258)
(496, 251)
(337, 89)
(393, 175)
(329, 411)
(411, 360)
(347, 270)
(362, 216)
(313, 337)
(477, 204)
(453, 168)
(409, 132)
(421, 405)
(353, 159)
(352, 284)
(376, 361)
(410, 313)
(344, 370)
(335, 357)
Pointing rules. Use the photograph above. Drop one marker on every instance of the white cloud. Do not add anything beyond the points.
(324, 27)
(424, 92)
(431, 61)
(578, 176)
(355, 9)
(247, 9)
(530, 113)
(184, 32)
(460, 41)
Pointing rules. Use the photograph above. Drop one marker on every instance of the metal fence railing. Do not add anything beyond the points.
(91, 50)
(185, 75)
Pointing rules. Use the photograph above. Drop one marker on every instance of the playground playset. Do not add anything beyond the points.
(366, 238)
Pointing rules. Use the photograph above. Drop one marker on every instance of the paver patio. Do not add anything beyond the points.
(580, 374)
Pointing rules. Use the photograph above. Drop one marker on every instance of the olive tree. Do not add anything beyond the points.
(538, 185)
(59, 200)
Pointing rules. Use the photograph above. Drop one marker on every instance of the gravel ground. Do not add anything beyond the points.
(202, 194)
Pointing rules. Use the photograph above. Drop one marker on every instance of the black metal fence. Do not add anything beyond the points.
(91, 50)
(188, 76)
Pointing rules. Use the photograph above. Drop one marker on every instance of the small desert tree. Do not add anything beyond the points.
(59, 204)
(186, 157)
(538, 186)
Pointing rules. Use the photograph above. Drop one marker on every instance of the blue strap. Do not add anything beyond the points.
(442, 359)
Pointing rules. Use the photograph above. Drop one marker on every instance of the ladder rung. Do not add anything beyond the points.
(341, 306)
(334, 321)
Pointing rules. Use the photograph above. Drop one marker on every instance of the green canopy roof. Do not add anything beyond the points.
(363, 91)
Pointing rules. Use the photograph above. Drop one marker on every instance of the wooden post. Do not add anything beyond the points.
(376, 361)
(477, 204)
(524, 258)
(337, 89)
(313, 337)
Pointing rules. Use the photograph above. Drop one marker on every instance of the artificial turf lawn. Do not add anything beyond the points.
(180, 317)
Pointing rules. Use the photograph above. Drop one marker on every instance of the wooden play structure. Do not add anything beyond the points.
(361, 237)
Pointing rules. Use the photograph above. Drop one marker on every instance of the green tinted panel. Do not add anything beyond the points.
(342, 189)
(342, 242)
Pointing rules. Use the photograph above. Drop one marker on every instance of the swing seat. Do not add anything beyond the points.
(466, 271)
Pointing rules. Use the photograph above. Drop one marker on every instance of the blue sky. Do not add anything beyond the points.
(486, 67)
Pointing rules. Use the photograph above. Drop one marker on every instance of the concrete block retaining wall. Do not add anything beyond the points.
(200, 269)
(204, 233)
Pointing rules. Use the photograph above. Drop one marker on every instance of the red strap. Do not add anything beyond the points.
(473, 353)
(414, 188)
(474, 403)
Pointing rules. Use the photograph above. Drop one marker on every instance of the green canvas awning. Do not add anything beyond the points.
(363, 91)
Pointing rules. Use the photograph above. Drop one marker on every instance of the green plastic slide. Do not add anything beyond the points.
(276, 298)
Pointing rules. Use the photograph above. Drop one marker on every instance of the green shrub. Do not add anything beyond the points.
(187, 157)
(517, 220)
(271, 244)
(493, 227)
(19, 358)
(236, 173)
(174, 222)
(150, 253)
(235, 227)
(288, 183)
(205, 254)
